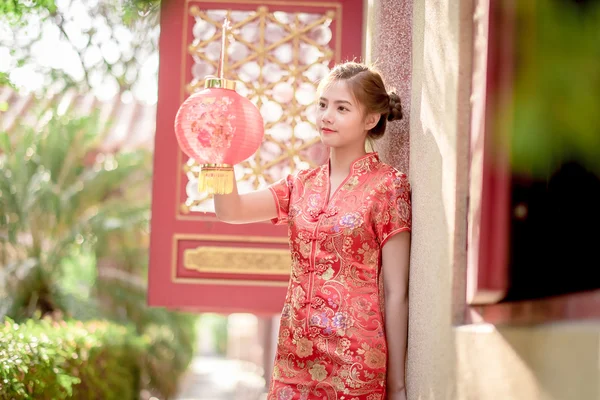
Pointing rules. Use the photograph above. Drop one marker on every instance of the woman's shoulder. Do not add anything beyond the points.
(392, 184)
(391, 175)
(302, 176)
(307, 173)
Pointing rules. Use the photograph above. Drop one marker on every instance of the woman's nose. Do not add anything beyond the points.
(326, 116)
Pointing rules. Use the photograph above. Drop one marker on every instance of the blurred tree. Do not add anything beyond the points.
(107, 46)
(74, 238)
(74, 219)
(553, 113)
(57, 196)
(15, 10)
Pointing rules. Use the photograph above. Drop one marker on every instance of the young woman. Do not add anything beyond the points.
(344, 322)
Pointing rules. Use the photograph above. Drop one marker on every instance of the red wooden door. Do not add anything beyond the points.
(280, 50)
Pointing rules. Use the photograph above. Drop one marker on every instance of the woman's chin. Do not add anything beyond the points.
(327, 140)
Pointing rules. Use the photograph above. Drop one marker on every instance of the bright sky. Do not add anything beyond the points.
(53, 51)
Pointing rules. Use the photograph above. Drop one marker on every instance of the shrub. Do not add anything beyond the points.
(73, 239)
(59, 360)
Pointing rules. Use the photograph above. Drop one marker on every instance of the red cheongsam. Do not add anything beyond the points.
(332, 342)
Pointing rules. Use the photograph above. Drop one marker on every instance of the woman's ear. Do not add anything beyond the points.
(371, 121)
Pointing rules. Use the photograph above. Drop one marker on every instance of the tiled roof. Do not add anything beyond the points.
(124, 125)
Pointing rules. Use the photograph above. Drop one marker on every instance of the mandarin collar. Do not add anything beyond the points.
(368, 161)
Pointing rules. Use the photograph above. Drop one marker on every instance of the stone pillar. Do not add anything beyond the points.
(389, 47)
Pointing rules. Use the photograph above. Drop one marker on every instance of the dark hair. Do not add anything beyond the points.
(368, 89)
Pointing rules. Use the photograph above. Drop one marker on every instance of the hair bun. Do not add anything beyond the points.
(395, 112)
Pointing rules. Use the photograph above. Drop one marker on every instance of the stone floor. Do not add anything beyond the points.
(212, 378)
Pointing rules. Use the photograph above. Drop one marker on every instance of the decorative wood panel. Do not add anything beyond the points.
(277, 58)
(279, 51)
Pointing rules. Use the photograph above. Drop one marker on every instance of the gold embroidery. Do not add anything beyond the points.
(333, 341)
(374, 358)
(304, 348)
(318, 372)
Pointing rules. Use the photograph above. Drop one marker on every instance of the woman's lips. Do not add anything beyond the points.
(327, 130)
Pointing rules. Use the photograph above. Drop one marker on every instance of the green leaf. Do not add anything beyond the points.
(4, 142)
(555, 92)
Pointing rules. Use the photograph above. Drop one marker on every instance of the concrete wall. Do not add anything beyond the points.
(436, 142)
(558, 362)
(447, 360)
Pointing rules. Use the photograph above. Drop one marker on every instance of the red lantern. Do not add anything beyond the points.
(218, 128)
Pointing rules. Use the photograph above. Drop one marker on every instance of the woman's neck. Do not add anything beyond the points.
(340, 159)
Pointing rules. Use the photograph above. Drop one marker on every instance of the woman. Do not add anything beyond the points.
(344, 322)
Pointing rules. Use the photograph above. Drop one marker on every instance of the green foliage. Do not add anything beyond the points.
(74, 221)
(15, 10)
(123, 297)
(171, 351)
(76, 287)
(555, 115)
(135, 9)
(65, 209)
(172, 335)
(5, 81)
(57, 194)
(69, 360)
(217, 325)
(127, 29)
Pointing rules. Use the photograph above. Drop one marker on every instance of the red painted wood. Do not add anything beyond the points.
(183, 272)
(174, 286)
(491, 282)
(577, 306)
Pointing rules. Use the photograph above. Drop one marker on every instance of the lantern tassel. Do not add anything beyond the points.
(216, 179)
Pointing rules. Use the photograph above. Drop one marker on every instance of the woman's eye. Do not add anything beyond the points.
(322, 105)
(342, 108)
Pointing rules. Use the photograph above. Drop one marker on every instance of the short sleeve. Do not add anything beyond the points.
(396, 213)
(281, 191)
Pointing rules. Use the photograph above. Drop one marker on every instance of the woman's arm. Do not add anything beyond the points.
(395, 263)
(245, 208)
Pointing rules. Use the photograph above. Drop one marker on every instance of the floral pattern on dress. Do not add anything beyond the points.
(349, 221)
(331, 342)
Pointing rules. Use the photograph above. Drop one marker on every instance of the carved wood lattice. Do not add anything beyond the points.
(277, 59)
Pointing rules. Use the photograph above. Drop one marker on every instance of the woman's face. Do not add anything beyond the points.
(340, 119)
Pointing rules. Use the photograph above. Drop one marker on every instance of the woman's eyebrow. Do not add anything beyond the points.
(337, 101)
